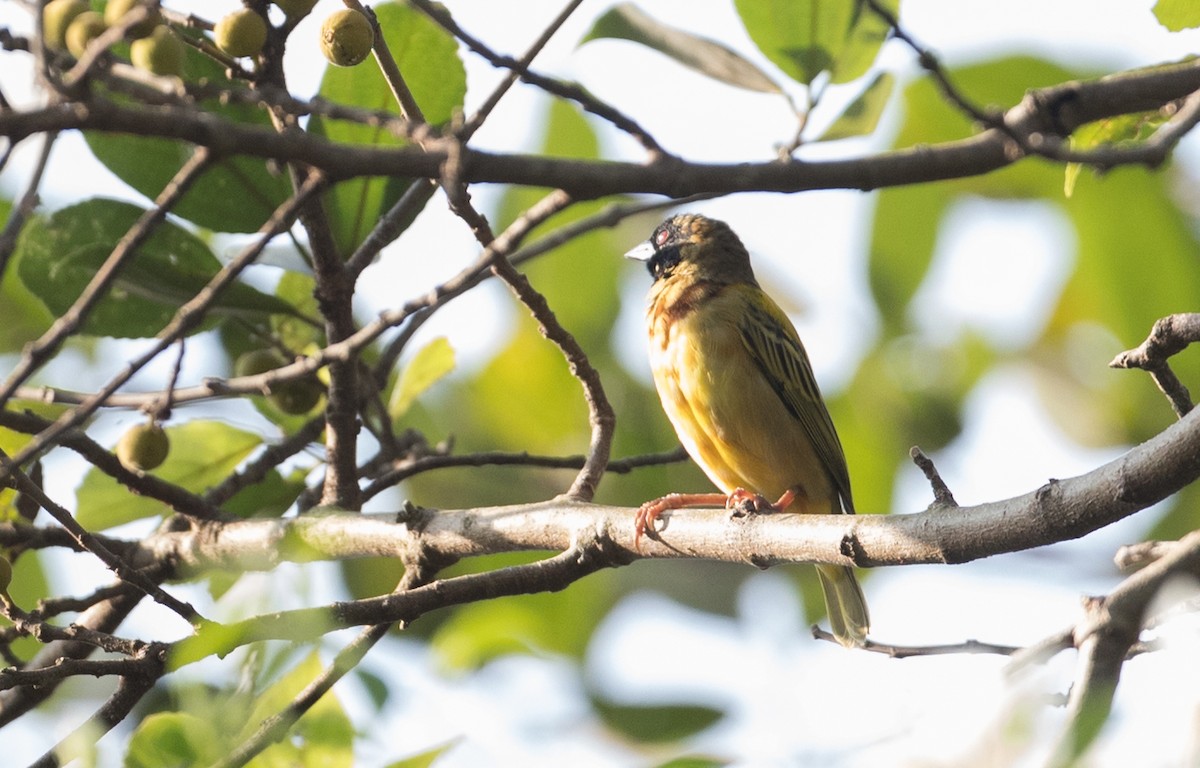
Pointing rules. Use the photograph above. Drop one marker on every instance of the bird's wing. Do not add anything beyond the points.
(776, 350)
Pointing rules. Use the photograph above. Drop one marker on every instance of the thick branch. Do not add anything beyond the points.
(1054, 111)
(1060, 510)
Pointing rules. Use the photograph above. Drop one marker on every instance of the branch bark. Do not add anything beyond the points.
(1047, 112)
(1057, 511)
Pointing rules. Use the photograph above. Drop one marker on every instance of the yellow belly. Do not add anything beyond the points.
(726, 414)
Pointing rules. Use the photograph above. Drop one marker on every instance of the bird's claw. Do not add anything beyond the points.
(647, 514)
(742, 503)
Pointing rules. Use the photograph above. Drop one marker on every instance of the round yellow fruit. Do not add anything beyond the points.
(56, 20)
(116, 10)
(241, 33)
(161, 53)
(143, 447)
(346, 38)
(295, 9)
(86, 28)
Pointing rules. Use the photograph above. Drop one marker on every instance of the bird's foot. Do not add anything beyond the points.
(742, 502)
(648, 513)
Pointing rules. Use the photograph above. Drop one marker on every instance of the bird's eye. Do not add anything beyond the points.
(661, 237)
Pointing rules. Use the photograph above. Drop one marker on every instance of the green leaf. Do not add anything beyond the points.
(428, 57)
(29, 586)
(269, 497)
(807, 37)
(58, 255)
(168, 739)
(323, 736)
(656, 724)
(1122, 130)
(862, 115)
(1177, 15)
(625, 21)
(694, 761)
(234, 194)
(545, 622)
(868, 33)
(25, 317)
(202, 454)
(430, 363)
(428, 757)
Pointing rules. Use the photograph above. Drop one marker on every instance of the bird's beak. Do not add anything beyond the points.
(643, 252)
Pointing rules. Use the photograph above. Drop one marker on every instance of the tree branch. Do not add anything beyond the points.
(1060, 510)
(1053, 111)
(1169, 336)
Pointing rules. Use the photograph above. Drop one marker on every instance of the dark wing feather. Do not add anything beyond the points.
(775, 348)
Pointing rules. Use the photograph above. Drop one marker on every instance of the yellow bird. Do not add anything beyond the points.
(736, 383)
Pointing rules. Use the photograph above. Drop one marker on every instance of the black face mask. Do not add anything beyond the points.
(663, 261)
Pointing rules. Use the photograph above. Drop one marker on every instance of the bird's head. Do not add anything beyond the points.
(691, 246)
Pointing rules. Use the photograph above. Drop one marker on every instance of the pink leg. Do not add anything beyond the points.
(651, 510)
(744, 502)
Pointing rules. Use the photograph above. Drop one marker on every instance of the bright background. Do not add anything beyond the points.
(998, 269)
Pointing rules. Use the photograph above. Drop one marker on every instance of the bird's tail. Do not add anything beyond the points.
(846, 605)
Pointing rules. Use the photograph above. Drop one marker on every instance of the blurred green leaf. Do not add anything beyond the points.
(12, 442)
(547, 622)
(25, 317)
(58, 255)
(321, 738)
(29, 585)
(234, 194)
(167, 739)
(202, 454)
(269, 497)
(807, 37)
(1122, 130)
(656, 724)
(908, 219)
(426, 758)
(428, 57)
(625, 21)
(862, 115)
(695, 762)
(429, 364)
(297, 290)
(1177, 15)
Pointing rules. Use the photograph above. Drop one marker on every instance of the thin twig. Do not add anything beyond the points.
(941, 491)
(38, 352)
(1169, 336)
(414, 466)
(908, 651)
(476, 120)
(554, 87)
(94, 545)
(185, 319)
(26, 205)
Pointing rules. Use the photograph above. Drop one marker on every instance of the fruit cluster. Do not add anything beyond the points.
(347, 36)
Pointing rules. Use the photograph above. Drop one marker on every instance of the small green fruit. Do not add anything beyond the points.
(116, 10)
(296, 397)
(257, 361)
(241, 33)
(143, 447)
(161, 53)
(291, 397)
(295, 9)
(86, 28)
(56, 19)
(346, 38)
